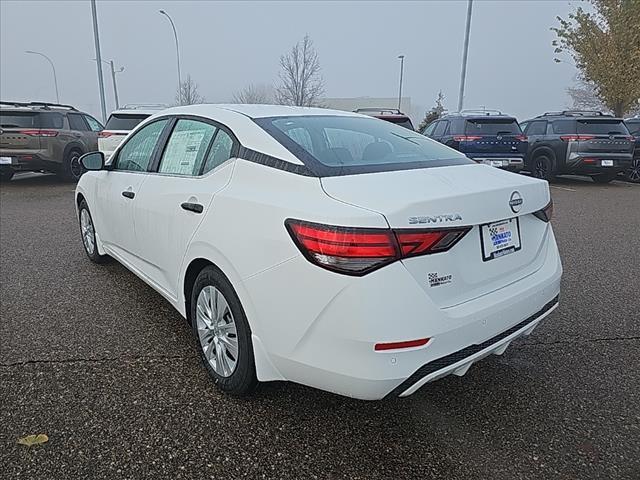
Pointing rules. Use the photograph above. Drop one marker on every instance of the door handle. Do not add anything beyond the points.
(128, 194)
(192, 207)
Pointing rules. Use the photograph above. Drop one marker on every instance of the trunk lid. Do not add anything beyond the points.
(464, 195)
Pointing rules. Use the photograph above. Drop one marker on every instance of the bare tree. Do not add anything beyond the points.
(254, 93)
(300, 81)
(584, 95)
(187, 93)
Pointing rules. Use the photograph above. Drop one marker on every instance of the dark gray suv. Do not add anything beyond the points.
(578, 143)
(40, 136)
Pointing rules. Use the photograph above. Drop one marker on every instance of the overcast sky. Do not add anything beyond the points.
(227, 45)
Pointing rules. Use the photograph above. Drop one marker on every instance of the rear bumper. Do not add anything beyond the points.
(512, 163)
(459, 362)
(599, 163)
(324, 335)
(27, 160)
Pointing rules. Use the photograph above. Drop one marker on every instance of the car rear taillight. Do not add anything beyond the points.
(105, 134)
(39, 133)
(357, 251)
(466, 138)
(522, 138)
(576, 138)
(631, 138)
(546, 213)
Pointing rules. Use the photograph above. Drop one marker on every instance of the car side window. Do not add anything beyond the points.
(563, 126)
(440, 128)
(221, 151)
(186, 148)
(536, 128)
(135, 155)
(94, 125)
(77, 123)
(429, 129)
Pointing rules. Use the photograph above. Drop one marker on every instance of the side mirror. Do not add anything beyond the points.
(92, 161)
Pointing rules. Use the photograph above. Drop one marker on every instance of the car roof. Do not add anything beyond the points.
(239, 119)
(262, 111)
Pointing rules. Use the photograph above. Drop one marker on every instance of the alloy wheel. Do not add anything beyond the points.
(75, 167)
(88, 234)
(217, 331)
(633, 174)
(540, 168)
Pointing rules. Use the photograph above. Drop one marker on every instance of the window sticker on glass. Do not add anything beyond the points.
(186, 148)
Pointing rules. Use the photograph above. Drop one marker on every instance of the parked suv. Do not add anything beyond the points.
(121, 122)
(485, 136)
(578, 142)
(38, 136)
(633, 173)
(392, 115)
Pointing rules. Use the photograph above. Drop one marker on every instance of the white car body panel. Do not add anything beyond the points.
(311, 325)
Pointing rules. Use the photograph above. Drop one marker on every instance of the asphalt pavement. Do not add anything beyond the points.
(99, 362)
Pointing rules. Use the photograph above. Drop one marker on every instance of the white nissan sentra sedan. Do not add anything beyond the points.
(321, 247)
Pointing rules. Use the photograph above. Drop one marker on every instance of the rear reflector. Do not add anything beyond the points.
(466, 138)
(588, 160)
(396, 345)
(546, 213)
(39, 133)
(576, 138)
(357, 251)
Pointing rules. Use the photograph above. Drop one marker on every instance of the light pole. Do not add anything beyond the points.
(401, 57)
(113, 79)
(465, 53)
(55, 78)
(96, 38)
(175, 35)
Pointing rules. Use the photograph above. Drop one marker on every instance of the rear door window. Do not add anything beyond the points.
(602, 127)
(118, 121)
(492, 127)
(186, 148)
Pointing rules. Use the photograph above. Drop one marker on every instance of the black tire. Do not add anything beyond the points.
(604, 177)
(6, 175)
(93, 254)
(242, 380)
(71, 169)
(542, 167)
(633, 174)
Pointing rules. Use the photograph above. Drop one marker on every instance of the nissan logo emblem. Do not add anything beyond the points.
(515, 202)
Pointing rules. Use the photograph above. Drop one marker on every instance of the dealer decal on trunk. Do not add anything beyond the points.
(436, 281)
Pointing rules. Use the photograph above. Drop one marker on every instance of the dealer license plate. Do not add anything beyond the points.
(500, 238)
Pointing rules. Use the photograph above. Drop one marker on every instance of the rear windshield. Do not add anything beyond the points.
(337, 145)
(602, 127)
(124, 121)
(493, 126)
(30, 120)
